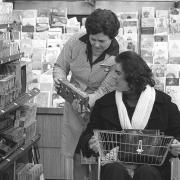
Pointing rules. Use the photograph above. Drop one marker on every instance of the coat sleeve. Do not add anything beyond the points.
(88, 133)
(106, 86)
(62, 66)
(173, 121)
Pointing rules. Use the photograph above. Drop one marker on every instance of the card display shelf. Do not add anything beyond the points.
(20, 101)
(11, 58)
(10, 25)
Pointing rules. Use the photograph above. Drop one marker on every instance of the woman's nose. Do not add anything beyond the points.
(114, 75)
(96, 44)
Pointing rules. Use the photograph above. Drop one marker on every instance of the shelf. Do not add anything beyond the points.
(3, 26)
(10, 25)
(111, 0)
(11, 58)
(18, 153)
(140, 0)
(20, 101)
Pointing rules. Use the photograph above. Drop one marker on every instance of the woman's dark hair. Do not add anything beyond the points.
(137, 72)
(102, 21)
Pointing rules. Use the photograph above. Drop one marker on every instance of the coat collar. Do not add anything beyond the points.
(109, 99)
(111, 114)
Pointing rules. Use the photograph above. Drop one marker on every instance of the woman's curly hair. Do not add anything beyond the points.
(102, 21)
(137, 72)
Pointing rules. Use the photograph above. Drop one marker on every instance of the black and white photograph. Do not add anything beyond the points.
(89, 90)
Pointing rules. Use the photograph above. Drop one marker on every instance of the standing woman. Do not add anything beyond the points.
(83, 55)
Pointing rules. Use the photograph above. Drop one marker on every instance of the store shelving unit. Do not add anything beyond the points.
(19, 151)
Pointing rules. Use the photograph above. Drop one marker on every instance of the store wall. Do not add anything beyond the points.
(82, 7)
(78, 7)
(119, 6)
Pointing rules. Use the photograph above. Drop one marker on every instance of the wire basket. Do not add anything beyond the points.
(132, 147)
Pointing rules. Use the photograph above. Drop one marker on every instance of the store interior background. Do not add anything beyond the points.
(48, 118)
(81, 9)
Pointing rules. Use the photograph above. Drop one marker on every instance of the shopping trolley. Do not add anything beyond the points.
(131, 147)
(91, 164)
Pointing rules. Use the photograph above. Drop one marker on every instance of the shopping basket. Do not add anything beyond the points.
(132, 147)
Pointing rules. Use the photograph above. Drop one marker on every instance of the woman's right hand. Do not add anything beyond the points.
(94, 144)
(57, 81)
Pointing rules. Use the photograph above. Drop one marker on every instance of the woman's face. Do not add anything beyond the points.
(99, 42)
(119, 77)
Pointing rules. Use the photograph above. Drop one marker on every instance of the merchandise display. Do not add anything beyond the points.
(7, 146)
(43, 33)
(150, 32)
(159, 47)
(128, 36)
(17, 114)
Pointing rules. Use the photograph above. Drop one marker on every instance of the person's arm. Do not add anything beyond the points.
(106, 86)
(95, 123)
(174, 129)
(62, 66)
(174, 121)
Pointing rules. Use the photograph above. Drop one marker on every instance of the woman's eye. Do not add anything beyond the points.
(93, 40)
(118, 73)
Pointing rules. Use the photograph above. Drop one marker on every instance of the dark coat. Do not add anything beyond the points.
(165, 116)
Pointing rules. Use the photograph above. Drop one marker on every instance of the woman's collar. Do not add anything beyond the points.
(84, 38)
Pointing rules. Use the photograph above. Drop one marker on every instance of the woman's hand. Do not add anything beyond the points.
(78, 107)
(92, 100)
(175, 148)
(94, 144)
(57, 82)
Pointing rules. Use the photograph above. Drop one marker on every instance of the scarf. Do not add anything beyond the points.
(142, 111)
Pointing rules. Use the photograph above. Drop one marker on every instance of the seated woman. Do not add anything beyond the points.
(135, 104)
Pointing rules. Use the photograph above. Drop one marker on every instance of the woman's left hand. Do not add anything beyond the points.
(175, 148)
(77, 106)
